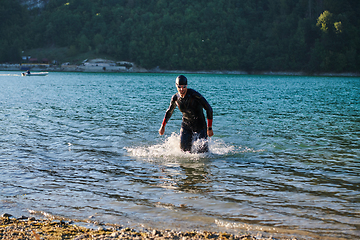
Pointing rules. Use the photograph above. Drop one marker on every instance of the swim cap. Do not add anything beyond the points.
(181, 80)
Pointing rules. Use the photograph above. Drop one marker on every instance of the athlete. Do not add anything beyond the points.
(193, 126)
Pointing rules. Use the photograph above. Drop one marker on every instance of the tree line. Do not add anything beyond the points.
(243, 35)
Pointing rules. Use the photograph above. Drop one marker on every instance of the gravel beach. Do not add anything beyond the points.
(25, 228)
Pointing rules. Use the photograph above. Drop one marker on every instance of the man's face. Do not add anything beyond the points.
(182, 89)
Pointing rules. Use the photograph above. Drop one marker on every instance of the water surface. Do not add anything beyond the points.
(285, 157)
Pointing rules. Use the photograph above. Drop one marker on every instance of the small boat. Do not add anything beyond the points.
(34, 74)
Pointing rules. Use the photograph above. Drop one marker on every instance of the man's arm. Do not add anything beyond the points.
(209, 113)
(168, 114)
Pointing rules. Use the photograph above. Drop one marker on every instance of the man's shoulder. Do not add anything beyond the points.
(194, 93)
(175, 97)
(191, 91)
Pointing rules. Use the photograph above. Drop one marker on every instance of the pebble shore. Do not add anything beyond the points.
(25, 228)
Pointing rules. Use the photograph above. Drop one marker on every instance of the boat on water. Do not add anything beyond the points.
(25, 74)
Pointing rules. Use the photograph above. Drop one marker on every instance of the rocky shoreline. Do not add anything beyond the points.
(26, 228)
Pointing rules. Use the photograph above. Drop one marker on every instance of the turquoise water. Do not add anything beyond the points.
(285, 157)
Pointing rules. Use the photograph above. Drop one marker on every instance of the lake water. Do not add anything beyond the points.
(285, 157)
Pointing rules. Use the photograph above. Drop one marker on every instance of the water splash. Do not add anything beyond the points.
(169, 149)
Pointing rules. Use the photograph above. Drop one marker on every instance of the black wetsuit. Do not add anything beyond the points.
(193, 120)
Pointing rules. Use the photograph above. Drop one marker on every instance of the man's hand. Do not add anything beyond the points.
(162, 130)
(210, 133)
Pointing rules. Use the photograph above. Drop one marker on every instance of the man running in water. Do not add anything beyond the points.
(191, 104)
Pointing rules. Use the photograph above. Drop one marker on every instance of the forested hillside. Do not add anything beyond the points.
(245, 35)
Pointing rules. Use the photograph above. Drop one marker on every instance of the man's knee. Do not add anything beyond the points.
(185, 147)
(202, 143)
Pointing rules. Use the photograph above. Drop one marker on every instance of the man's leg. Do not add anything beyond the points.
(204, 144)
(185, 140)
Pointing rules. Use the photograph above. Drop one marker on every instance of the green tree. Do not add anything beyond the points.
(84, 43)
(325, 21)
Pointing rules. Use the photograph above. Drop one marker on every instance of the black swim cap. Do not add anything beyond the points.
(181, 80)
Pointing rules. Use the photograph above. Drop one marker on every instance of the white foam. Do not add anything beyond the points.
(170, 149)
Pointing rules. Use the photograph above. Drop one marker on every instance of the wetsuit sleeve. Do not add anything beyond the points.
(170, 110)
(207, 107)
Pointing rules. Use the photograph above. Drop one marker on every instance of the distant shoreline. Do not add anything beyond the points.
(135, 69)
